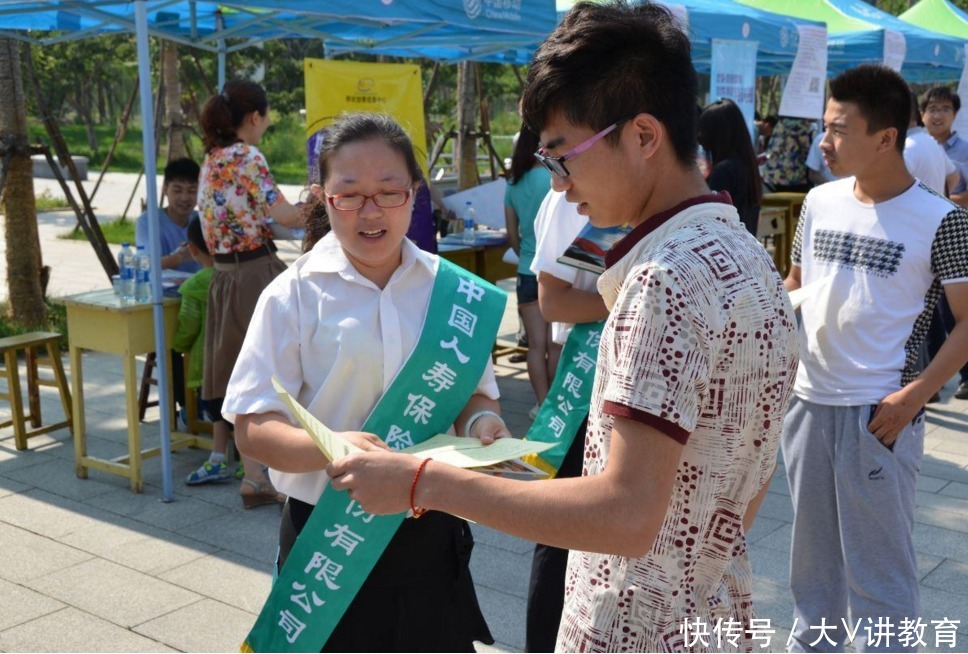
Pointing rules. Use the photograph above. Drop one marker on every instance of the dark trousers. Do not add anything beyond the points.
(941, 325)
(546, 592)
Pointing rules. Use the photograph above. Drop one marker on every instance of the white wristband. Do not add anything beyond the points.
(477, 416)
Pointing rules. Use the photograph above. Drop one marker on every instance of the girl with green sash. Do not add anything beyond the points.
(340, 329)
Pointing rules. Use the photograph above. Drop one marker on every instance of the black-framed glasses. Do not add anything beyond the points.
(355, 201)
(557, 164)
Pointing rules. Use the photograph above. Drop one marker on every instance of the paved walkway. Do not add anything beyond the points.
(86, 565)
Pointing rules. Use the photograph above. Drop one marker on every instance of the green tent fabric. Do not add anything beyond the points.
(939, 16)
(856, 33)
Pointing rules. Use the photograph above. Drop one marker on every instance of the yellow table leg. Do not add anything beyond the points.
(134, 426)
(77, 413)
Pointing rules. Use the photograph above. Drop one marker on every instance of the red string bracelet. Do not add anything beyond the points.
(416, 510)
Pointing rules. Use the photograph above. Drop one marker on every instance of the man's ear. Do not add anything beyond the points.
(888, 139)
(649, 133)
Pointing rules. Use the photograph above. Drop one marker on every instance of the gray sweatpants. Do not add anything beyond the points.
(853, 525)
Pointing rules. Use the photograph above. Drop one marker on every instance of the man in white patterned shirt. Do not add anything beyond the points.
(878, 249)
(696, 361)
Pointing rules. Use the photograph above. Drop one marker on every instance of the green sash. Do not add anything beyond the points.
(568, 399)
(340, 543)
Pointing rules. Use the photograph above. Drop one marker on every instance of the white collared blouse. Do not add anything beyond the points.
(335, 341)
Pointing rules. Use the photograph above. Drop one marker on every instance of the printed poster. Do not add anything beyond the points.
(803, 95)
(335, 87)
(733, 75)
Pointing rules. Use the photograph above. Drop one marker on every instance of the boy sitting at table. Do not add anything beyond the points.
(190, 337)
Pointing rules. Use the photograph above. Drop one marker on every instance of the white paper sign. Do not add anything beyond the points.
(733, 75)
(803, 93)
(961, 120)
(895, 48)
(488, 201)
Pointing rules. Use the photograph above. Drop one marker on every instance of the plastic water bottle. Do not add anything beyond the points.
(470, 221)
(142, 286)
(126, 264)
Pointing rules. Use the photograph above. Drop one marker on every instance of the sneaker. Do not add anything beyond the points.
(209, 472)
(934, 399)
(240, 472)
(533, 413)
(962, 391)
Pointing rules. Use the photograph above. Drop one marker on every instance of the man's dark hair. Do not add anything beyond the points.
(771, 120)
(182, 170)
(940, 94)
(194, 234)
(609, 62)
(881, 95)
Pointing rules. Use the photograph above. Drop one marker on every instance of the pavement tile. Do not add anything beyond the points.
(951, 576)
(773, 602)
(763, 526)
(19, 605)
(943, 502)
(939, 541)
(25, 555)
(501, 540)
(47, 514)
(943, 469)
(227, 577)
(505, 618)
(10, 487)
(57, 476)
(501, 570)
(206, 626)
(13, 459)
(779, 540)
(940, 604)
(927, 564)
(150, 509)
(931, 484)
(254, 535)
(956, 489)
(776, 506)
(135, 545)
(111, 591)
(72, 630)
(953, 523)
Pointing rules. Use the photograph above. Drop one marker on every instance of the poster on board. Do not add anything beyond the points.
(804, 90)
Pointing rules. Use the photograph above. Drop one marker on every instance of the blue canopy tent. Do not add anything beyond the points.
(776, 35)
(858, 31)
(457, 26)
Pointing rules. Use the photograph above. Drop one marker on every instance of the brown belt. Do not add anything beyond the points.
(241, 257)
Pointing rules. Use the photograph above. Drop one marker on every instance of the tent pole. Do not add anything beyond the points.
(154, 242)
(219, 26)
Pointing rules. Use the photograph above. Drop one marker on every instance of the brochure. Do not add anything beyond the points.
(587, 251)
(502, 457)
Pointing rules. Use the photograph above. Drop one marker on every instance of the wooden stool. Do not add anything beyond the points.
(30, 343)
(147, 381)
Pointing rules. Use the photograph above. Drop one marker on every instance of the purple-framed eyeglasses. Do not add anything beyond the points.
(557, 164)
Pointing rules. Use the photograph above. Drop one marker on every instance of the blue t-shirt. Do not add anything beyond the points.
(525, 198)
(172, 236)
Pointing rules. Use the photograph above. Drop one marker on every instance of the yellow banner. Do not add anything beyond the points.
(335, 87)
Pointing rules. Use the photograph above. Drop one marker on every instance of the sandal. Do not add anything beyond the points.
(261, 495)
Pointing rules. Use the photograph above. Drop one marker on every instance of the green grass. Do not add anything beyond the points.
(47, 202)
(116, 231)
(284, 145)
(56, 322)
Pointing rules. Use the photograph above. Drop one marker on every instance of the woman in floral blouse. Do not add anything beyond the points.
(236, 198)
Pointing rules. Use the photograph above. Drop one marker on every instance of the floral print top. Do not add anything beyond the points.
(235, 191)
(788, 149)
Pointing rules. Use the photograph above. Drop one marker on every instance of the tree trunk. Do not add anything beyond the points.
(24, 265)
(465, 152)
(173, 109)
